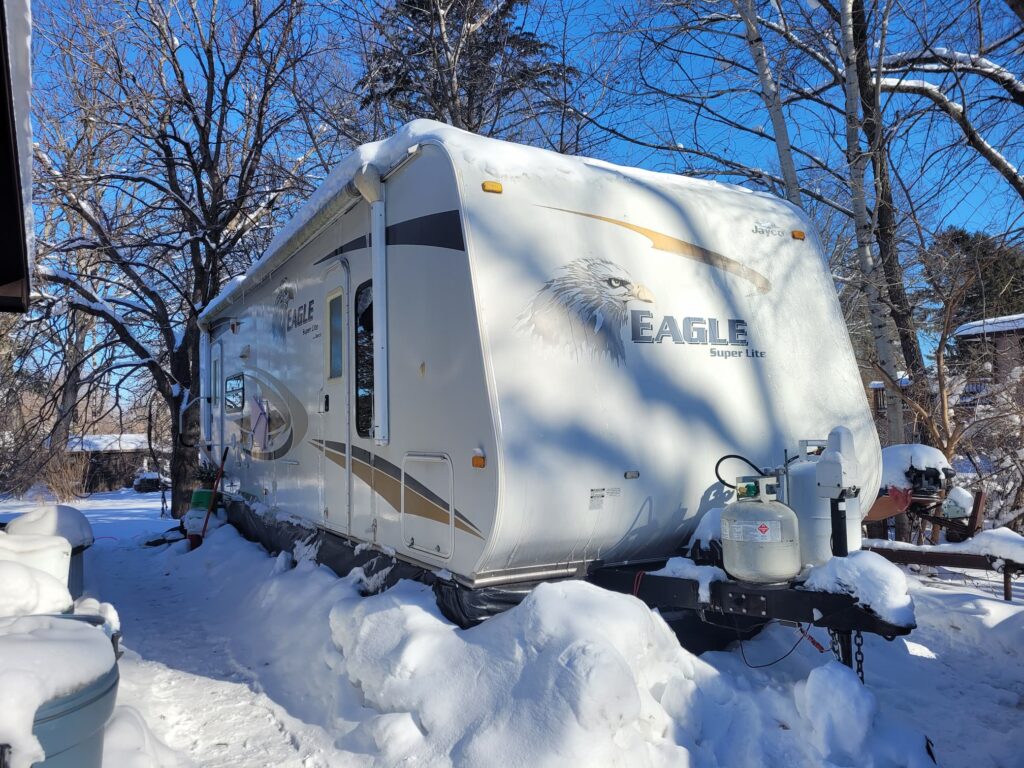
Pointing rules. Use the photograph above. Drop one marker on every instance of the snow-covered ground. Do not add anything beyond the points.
(236, 658)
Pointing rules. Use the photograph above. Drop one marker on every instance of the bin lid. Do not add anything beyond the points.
(55, 520)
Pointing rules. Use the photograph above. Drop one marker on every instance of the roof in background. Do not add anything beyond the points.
(991, 325)
(109, 443)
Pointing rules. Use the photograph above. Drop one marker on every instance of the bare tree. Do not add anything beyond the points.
(182, 112)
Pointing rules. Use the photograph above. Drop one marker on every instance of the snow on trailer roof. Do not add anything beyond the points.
(991, 325)
(501, 159)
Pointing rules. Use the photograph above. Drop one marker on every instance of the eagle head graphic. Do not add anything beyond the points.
(584, 306)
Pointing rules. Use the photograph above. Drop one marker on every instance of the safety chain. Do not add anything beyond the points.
(858, 656)
(833, 642)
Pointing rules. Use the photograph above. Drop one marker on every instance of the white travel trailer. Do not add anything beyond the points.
(507, 364)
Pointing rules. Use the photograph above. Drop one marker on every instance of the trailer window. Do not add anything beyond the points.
(364, 359)
(334, 337)
(234, 393)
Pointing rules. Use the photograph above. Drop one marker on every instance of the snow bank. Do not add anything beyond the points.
(51, 554)
(128, 743)
(575, 675)
(840, 710)
(54, 520)
(873, 580)
(999, 542)
(897, 459)
(25, 590)
(685, 568)
(41, 658)
(194, 519)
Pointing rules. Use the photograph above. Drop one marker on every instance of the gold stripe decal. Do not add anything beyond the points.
(669, 244)
(389, 489)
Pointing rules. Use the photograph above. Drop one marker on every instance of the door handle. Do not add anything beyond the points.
(327, 403)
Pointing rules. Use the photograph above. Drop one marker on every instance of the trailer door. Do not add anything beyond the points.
(334, 421)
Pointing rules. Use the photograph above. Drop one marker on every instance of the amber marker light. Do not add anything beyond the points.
(491, 186)
(798, 234)
(479, 461)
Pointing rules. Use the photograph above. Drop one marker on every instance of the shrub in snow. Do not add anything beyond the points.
(840, 710)
(25, 590)
(869, 577)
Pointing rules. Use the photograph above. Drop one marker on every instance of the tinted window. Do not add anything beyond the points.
(335, 339)
(234, 393)
(364, 359)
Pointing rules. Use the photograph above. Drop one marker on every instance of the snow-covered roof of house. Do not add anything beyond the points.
(991, 325)
(500, 159)
(903, 381)
(109, 443)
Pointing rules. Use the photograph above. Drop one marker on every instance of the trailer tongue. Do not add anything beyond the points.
(761, 545)
(742, 604)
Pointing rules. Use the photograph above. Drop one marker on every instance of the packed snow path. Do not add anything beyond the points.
(184, 679)
(239, 659)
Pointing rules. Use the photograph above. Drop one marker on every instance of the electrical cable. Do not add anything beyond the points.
(734, 456)
(743, 653)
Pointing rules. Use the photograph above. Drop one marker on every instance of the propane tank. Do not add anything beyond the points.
(814, 512)
(760, 540)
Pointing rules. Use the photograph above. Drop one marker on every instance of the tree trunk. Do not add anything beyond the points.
(856, 160)
(184, 456)
(770, 95)
(885, 209)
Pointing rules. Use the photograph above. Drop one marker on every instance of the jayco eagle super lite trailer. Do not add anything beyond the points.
(507, 364)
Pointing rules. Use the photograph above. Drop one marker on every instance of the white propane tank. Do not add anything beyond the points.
(815, 513)
(760, 539)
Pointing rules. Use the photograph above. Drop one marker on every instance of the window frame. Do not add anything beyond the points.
(360, 403)
(339, 295)
(228, 403)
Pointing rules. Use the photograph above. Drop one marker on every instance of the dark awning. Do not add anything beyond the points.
(15, 157)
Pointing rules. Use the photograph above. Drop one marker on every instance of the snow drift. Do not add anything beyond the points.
(574, 675)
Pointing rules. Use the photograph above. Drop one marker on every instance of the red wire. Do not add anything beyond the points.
(636, 582)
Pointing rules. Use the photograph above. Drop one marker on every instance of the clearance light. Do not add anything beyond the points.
(491, 186)
(798, 234)
(479, 461)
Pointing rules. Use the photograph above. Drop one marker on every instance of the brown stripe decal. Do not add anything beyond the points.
(436, 230)
(385, 480)
(669, 244)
